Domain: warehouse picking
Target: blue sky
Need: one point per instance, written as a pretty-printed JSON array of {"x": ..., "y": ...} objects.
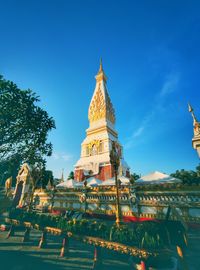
[{"x": 151, "y": 55}]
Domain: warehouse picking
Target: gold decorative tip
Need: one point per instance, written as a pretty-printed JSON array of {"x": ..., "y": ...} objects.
[
  {"x": 195, "y": 121},
  {"x": 101, "y": 75},
  {"x": 62, "y": 176},
  {"x": 101, "y": 66},
  {"x": 190, "y": 109}
]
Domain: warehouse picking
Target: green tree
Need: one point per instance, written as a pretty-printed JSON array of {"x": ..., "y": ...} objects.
[
  {"x": 134, "y": 177},
  {"x": 46, "y": 176},
  {"x": 9, "y": 168},
  {"x": 198, "y": 171},
  {"x": 188, "y": 177},
  {"x": 24, "y": 128},
  {"x": 71, "y": 175}
]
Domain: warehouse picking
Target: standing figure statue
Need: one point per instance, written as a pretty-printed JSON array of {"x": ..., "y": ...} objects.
[{"x": 8, "y": 186}]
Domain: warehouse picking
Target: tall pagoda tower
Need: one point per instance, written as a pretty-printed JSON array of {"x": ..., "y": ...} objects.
[{"x": 96, "y": 147}]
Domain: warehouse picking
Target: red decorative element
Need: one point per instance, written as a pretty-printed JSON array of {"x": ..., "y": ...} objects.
[
  {"x": 79, "y": 175},
  {"x": 142, "y": 266},
  {"x": 57, "y": 212},
  {"x": 97, "y": 258},
  {"x": 43, "y": 240},
  {"x": 136, "y": 219},
  {"x": 105, "y": 172},
  {"x": 65, "y": 247}
]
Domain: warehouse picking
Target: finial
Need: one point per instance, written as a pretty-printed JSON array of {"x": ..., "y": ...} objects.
[
  {"x": 101, "y": 66},
  {"x": 193, "y": 115},
  {"x": 190, "y": 109},
  {"x": 101, "y": 75},
  {"x": 62, "y": 177}
]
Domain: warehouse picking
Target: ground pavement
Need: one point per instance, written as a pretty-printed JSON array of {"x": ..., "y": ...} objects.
[
  {"x": 193, "y": 251},
  {"x": 15, "y": 255}
]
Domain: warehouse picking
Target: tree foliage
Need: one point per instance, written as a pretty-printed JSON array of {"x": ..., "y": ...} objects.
[
  {"x": 71, "y": 175},
  {"x": 134, "y": 177},
  {"x": 47, "y": 176},
  {"x": 24, "y": 128},
  {"x": 188, "y": 177}
]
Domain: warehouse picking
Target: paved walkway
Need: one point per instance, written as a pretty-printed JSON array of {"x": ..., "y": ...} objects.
[
  {"x": 15, "y": 255},
  {"x": 193, "y": 252}
]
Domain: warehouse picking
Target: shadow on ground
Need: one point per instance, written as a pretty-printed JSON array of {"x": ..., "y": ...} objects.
[{"x": 18, "y": 260}]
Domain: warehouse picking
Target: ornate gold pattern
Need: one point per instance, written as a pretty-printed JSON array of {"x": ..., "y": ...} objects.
[
  {"x": 94, "y": 142},
  {"x": 121, "y": 248},
  {"x": 101, "y": 129},
  {"x": 101, "y": 107},
  {"x": 93, "y": 147},
  {"x": 101, "y": 75}
]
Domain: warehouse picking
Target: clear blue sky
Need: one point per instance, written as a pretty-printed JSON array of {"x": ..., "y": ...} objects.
[{"x": 151, "y": 55}]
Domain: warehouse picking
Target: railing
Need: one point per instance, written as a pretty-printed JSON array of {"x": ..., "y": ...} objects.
[
  {"x": 150, "y": 203},
  {"x": 139, "y": 257}
]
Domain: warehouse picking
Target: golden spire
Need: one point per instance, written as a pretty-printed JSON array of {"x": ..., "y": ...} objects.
[
  {"x": 101, "y": 66},
  {"x": 62, "y": 177},
  {"x": 49, "y": 185},
  {"x": 101, "y": 75},
  {"x": 101, "y": 105},
  {"x": 190, "y": 109}
]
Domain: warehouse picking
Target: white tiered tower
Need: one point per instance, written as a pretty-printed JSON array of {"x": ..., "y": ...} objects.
[{"x": 95, "y": 149}]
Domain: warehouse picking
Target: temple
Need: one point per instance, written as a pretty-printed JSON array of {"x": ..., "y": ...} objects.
[
  {"x": 154, "y": 196},
  {"x": 95, "y": 149}
]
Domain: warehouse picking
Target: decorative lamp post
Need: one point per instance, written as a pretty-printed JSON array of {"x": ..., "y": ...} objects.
[
  {"x": 115, "y": 162},
  {"x": 52, "y": 196},
  {"x": 196, "y": 130},
  {"x": 85, "y": 185}
]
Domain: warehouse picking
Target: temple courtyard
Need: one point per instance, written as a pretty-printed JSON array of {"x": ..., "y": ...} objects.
[{"x": 15, "y": 255}]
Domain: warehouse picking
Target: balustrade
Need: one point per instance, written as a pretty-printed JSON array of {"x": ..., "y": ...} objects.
[{"x": 183, "y": 200}]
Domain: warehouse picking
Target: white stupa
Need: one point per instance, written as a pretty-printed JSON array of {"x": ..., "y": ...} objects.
[
  {"x": 96, "y": 147},
  {"x": 67, "y": 184},
  {"x": 111, "y": 182},
  {"x": 92, "y": 181},
  {"x": 157, "y": 178}
]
